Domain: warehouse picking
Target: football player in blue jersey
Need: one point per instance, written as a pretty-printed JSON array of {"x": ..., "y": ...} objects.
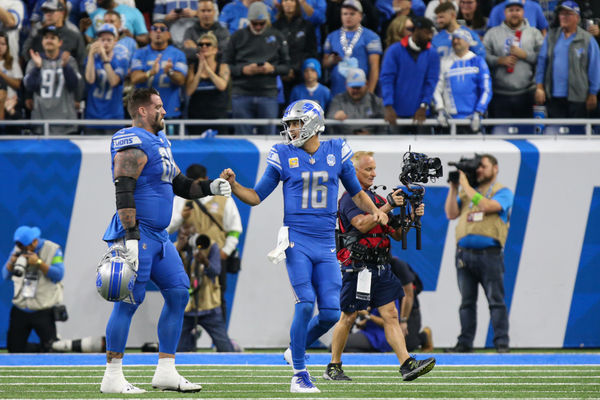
[
  {"x": 146, "y": 177},
  {"x": 310, "y": 170}
]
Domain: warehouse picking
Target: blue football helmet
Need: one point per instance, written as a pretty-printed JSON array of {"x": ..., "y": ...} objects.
[
  {"x": 310, "y": 114},
  {"x": 115, "y": 275}
]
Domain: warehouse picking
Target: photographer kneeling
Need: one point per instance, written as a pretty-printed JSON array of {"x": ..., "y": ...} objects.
[
  {"x": 368, "y": 279},
  {"x": 202, "y": 261},
  {"x": 36, "y": 268}
]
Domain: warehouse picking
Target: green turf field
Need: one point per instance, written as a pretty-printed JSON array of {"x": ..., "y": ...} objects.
[{"x": 572, "y": 382}]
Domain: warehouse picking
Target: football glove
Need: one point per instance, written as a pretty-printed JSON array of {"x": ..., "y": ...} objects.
[{"x": 220, "y": 187}]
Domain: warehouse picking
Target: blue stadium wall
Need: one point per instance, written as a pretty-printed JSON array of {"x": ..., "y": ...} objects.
[{"x": 552, "y": 254}]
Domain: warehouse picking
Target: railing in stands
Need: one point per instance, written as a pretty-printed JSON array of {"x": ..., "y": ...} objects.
[{"x": 500, "y": 127}]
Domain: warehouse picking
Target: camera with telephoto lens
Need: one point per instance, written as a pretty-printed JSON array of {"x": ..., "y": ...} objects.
[
  {"x": 19, "y": 266},
  {"x": 199, "y": 241},
  {"x": 468, "y": 166}
]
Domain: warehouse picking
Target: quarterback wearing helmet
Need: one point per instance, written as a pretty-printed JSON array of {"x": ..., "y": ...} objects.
[{"x": 310, "y": 170}]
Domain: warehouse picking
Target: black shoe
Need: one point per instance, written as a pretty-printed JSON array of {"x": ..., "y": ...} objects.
[
  {"x": 412, "y": 369},
  {"x": 502, "y": 349},
  {"x": 334, "y": 372},
  {"x": 459, "y": 348}
]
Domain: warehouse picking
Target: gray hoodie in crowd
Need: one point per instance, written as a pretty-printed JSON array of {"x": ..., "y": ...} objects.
[{"x": 497, "y": 42}]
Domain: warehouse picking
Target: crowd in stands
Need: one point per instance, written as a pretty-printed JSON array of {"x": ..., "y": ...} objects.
[{"x": 245, "y": 59}]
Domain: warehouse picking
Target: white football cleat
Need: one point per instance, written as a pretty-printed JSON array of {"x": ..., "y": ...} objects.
[
  {"x": 287, "y": 356},
  {"x": 116, "y": 385},
  {"x": 302, "y": 383},
  {"x": 174, "y": 382}
]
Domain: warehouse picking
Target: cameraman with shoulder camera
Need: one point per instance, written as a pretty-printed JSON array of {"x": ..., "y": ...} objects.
[
  {"x": 202, "y": 262},
  {"x": 368, "y": 279},
  {"x": 481, "y": 232},
  {"x": 36, "y": 269}
]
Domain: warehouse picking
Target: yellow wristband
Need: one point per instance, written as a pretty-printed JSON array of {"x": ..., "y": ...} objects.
[{"x": 476, "y": 198}]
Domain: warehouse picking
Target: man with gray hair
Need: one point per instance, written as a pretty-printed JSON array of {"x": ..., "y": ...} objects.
[{"x": 256, "y": 55}]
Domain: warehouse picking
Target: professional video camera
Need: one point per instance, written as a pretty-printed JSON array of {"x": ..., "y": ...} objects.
[
  {"x": 417, "y": 168},
  {"x": 468, "y": 166}
]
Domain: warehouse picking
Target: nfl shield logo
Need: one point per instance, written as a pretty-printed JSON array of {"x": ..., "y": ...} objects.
[{"x": 330, "y": 160}]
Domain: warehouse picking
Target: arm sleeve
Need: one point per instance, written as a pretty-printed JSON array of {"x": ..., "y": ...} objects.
[
  {"x": 319, "y": 7},
  {"x": 139, "y": 25},
  {"x": 387, "y": 77},
  {"x": 282, "y": 66},
  {"x": 488, "y": 43},
  {"x": 6, "y": 274},
  {"x": 33, "y": 77},
  {"x": 541, "y": 21},
  {"x": 431, "y": 79},
  {"x": 438, "y": 98},
  {"x": 57, "y": 267},
  {"x": 593, "y": 70},
  {"x": 541, "y": 64},
  {"x": 485, "y": 87},
  {"x": 478, "y": 48},
  {"x": 176, "y": 218},
  {"x": 532, "y": 55},
  {"x": 268, "y": 182},
  {"x": 505, "y": 197},
  {"x": 213, "y": 269},
  {"x": 349, "y": 210},
  {"x": 71, "y": 74},
  {"x": 349, "y": 179}
]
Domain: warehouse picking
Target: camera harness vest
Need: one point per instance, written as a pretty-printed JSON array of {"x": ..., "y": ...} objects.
[{"x": 372, "y": 247}]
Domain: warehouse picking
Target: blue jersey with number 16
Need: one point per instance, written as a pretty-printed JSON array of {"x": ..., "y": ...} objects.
[
  {"x": 154, "y": 189},
  {"x": 310, "y": 184}
]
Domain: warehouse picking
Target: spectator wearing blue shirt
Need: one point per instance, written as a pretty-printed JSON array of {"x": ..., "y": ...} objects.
[
  {"x": 133, "y": 21},
  {"x": 161, "y": 66},
  {"x": 446, "y": 22},
  {"x": 311, "y": 89},
  {"x": 568, "y": 76},
  {"x": 409, "y": 74},
  {"x": 36, "y": 268},
  {"x": 464, "y": 89},
  {"x": 352, "y": 46},
  {"x": 533, "y": 14},
  {"x": 105, "y": 72}
]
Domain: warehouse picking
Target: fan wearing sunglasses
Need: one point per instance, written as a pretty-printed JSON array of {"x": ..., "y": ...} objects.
[
  {"x": 161, "y": 66},
  {"x": 207, "y": 86}
]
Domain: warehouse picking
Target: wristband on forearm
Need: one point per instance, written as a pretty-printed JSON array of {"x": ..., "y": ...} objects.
[
  {"x": 476, "y": 198},
  {"x": 132, "y": 233},
  {"x": 403, "y": 319}
]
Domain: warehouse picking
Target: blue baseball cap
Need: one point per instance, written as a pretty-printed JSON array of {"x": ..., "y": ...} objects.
[
  {"x": 510, "y": 3},
  {"x": 356, "y": 78},
  {"x": 110, "y": 28},
  {"x": 26, "y": 234},
  {"x": 314, "y": 64},
  {"x": 570, "y": 6}
]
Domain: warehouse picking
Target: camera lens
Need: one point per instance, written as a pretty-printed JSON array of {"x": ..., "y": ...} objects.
[{"x": 19, "y": 267}]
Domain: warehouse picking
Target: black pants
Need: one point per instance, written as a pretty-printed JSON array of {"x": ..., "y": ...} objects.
[
  {"x": 511, "y": 106},
  {"x": 20, "y": 326}
]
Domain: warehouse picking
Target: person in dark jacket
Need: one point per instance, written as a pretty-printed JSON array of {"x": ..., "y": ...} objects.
[
  {"x": 301, "y": 40},
  {"x": 256, "y": 55}
]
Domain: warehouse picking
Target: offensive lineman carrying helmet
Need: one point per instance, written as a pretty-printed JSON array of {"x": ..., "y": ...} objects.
[{"x": 146, "y": 177}]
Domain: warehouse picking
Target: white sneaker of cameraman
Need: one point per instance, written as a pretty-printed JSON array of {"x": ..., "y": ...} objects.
[
  {"x": 166, "y": 377},
  {"x": 114, "y": 381}
]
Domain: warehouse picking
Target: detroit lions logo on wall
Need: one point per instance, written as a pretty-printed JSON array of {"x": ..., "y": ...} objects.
[{"x": 330, "y": 160}]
